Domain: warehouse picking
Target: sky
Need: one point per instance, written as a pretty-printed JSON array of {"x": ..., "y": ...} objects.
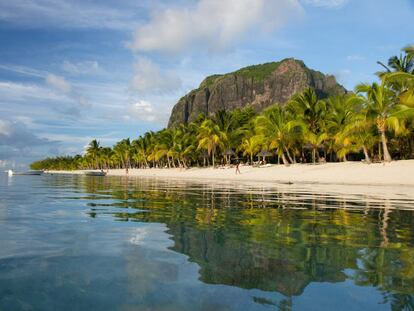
[{"x": 75, "y": 70}]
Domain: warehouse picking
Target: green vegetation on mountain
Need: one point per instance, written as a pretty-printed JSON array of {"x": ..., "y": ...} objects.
[
  {"x": 375, "y": 123},
  {"x": 258, "y": 86}
]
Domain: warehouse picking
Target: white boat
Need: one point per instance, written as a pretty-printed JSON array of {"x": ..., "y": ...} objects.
[{"x": 31, "y": 172}]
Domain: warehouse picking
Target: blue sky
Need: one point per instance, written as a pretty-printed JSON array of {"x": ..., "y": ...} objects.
[{"x": 71, "y": 71}]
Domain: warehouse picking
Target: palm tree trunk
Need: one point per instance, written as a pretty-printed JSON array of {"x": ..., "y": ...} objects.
[
  {"x": 314, "y": 155},
  {"x": 387, "y": 156},
  {"x": 367, "y": 158},
  {"x": 379, "y": 151},
  {"x": 289, "y": 156},
  {"x": 285, "y": 161},
  {"x": 213, "y": 159}
]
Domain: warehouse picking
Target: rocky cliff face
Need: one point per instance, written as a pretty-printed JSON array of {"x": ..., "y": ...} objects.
[{"x": 258, "y": 86}]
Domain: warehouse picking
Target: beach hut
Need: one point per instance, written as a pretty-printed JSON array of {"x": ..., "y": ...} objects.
[
  {"x": 315, "y": 150},
  {"x": 264, "y": 154},
  {"x": 204, "y": 155},
  {"x": 228, "y": 153}
]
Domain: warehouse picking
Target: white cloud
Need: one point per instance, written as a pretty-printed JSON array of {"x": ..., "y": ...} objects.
[
  {"x": 19, "y": 142},
  {"x": 24, "y": 71},
  {"x": 142, "y": 110},
  {"x": 12, "y": 91},
  {"x": 149, "y": 78},
  {"x": 61, "y": 84},
  {"x": 82, "y": 68},
  {"x": 355, "y": 57},
  {"x": 71, "y": 14},
  {"x": 58, "y": 83},
  {"x": 330, "y": 4},
  {"x": 211, "y": 24}
]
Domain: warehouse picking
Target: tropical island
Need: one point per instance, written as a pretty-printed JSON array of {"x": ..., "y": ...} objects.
[{"x": 275, "y": 113}]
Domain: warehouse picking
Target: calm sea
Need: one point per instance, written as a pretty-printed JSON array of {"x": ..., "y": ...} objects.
[{"x": 102, "y": 243}]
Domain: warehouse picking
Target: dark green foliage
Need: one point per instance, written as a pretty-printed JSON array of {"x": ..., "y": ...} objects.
[{"x": 257, "y": 72}]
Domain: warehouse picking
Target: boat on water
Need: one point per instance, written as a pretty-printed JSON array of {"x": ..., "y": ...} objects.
[
  {"x": 31, "y": 172},
  {"x": 94, "y": 173}
]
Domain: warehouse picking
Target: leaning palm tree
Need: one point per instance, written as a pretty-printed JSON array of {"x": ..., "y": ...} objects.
[
  {"x": 210, "y": 138},
  {"x": 382, "y": 109}
]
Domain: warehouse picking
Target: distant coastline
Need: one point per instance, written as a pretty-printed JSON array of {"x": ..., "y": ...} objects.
[{"x": 396, "y": 173}]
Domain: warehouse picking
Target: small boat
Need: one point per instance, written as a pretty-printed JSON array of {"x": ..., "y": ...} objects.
[
  {"x": 94, "y": 173},
  {"x": 31, "y": 172}
]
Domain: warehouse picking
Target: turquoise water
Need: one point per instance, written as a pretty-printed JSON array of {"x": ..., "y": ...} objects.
[{"x": 93, "y": 243}]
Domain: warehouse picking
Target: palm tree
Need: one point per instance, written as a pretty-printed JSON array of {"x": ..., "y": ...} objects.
[
  {"x": 140, "y": 147},
  {"x": 251, "y": 145},
  {"x": 311, "y": 111},
  {"x": 105, "y": 156},
  {"x": 341, "y": 115},
  {"x": 163, "y": 146},
  {"x": 210, "y": 138},
  {"x": 381, "y": 108},
  {"x": 278, "y": 131},
  {"x": 360, "y": 132},
  {"x": 403, "y": 63},
  {"x": 123, "y": 150},
  {"x": 93, "y": 152},
  {"x": 400, "y": 78},
  {"x": 227, "y": 126}
]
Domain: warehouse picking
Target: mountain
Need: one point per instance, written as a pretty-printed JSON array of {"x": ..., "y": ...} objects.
[{"x": 258, "y": 86}]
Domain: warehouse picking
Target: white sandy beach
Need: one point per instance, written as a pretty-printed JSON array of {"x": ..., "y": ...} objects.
[{"x": 348, "y": 173}]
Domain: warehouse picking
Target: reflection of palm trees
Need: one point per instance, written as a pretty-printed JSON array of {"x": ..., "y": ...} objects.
[
  {"x": 385, "y": 218},
  {"x": 269, "y": 245}
]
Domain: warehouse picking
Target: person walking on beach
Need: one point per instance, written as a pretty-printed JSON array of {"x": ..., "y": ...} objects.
[{"x": 237, "y": 168}]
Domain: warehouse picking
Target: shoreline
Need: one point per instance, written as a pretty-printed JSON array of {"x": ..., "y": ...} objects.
[{"x": 396, "y": 173}]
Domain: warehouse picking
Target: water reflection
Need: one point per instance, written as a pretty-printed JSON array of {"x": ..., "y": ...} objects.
[
  {"x": 273, "y": 239},
  {"x": 252, "y": 247}
]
